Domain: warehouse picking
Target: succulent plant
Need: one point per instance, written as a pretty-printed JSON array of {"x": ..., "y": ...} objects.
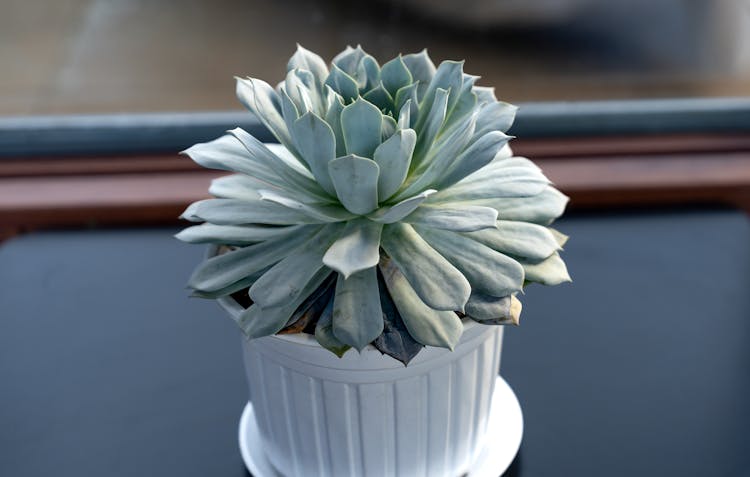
[{"x": 391, "y": 209}]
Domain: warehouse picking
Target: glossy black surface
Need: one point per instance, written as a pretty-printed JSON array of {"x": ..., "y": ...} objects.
[{"x": 641, "y": 367}]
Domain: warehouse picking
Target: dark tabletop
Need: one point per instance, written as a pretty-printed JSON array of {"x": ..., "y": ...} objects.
[{"x": 640, "y": 367}]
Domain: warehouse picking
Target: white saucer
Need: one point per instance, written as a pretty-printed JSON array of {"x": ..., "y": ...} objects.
[{"x": 504, "y": 432}]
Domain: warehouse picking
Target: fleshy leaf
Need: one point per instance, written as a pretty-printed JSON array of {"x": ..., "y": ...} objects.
[
  {"x": 380, "y": 98},
  {"x": 307, "y": 314},
  {"x": 317, "y": 212},
  {"x": 550, "y": 271},
  {"x": 394, "y": 156},
  {"x": 333, "y": 118},
  {"x": 316, "y": 143},
  {"x": 497, "y": 116},
  {"x": 396, "y": 212},
  {"x": 349, "y": 59},
  {"x": 257, "y": 322},
  {"x": 432, "y": 123},
  {"x": 343, "y": 84},
  {"x": 474, "y": 158},
  {"x": 440, "y": 158},
  {"x": 395, "y": 75},
  {"x": 542, "y": 208},
  {"x": 324, "y": 332},
  {"x": 294, "y": 177},
  {"x": 404, "y": 115},
  {"x": 387, "y": 128},
  {"x": 225, "y": 269},
  {"x": 228, "y": 154},
  {"x": 307, "y": 60},
  {"x": 466, "y": 218},
  {"x": 395, "y": 341},
  {"x": 285, "y": 280},
  {"x": 237, "y": 186},
  {"x": 368, "y": 73},
  {"x": 357, "y": 249},
  {"x": 407, "y": 96},
  {"x": 487, "y": 307},
  {"x": 260, "y": 98},
  {"x": 485, "y": 94},
  {"x": 356, "y": 182},
  {"x": 438, "y": 283},
  {"x": 427, "y": 326},
  {"x": 488, "y": 271},
  {"x": 357, "y": 316},
  {"x": 233, "y": 234},
  {"x": 494, "y": 182},
  {"x": 420, "y": 66},
  {"x": 360, "y": 125},
  {"x": 521, "y": 239},
  {"x": 448, "y": 77},
  {"x": 243, "y": 212}
]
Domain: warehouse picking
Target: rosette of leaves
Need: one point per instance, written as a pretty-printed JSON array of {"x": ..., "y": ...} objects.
[{"x": 391, "y": 208}]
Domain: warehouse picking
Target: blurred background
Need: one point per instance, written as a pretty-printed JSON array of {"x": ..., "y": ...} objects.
[{"x": 108, "y": 56}]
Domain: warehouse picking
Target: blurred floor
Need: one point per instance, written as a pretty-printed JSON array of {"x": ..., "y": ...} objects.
[{"x": 98, "y": 56}]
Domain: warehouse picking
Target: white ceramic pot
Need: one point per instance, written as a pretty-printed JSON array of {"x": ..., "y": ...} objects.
[{"x": 366, "y": 414}]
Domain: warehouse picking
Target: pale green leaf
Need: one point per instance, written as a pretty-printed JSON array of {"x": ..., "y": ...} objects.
[
  {"x": 406, "y": 103},
  {"x": 333, "y": 118},
  {"x": 349, "y": 59},
  {"x": 467, "y": 218},
  {"x": 485, "y": 94},
  {"x": 356, "y": 182},
  {"x": 286, "y": 280},
  {"x": 324, "y": 332},
  {"x": 394, "y": 156},
  {"x": 388, "y": 128},
  {"x": 433, "y": 121},
  {"x": 560, "y": 237},
  {"x": 495, "y": 182},
  {"x": 295, "y": 177},
  {"x": 438, "y": 283},
  {"x": 449, "y": 77},
  {"x": 542, "y": 208},
  {"x": 404, "y": 115},
  {"x": 550, "y": 271},
  {"x": 420, "y": 66},
  {"x": 257, "y": 322},
  {"x": 520, "y": 239},
  {"x": 487, "y": 271},
  {"x": 368, "y": 73},
  {"x": 395, "y": 75},
  {"x": 427, "y": 326},
  {"x": 487, "y": 307},
  {"x": 233, "y": 234},
  {"x": 474, "y": 158},
  {"x": 307, "y": 60},
  {"x": 360, "y": 125},
  {"x": 380, "y": 98},
  {"x": 343, "y": 84},
  {"x": 317, "y": 212},
  {"x": 357, "y": 249},
  {"x": 316, "y": 143},
  {"x": 496, "y": 116},
  {"x": 228, "y": 154},
  {"x": 241, "y": 212},
  {"x": 396, "y": 212},
  {"x": 260, "y": 98},
  {"x": 440, "y": 158},
  {"x": 237, "y": 186},
  {"x": 357, "y": 316},
  {"x": 223, "y": 270}
]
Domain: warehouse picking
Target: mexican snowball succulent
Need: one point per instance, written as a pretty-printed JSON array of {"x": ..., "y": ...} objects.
[{"x": 391, "y": 208}]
